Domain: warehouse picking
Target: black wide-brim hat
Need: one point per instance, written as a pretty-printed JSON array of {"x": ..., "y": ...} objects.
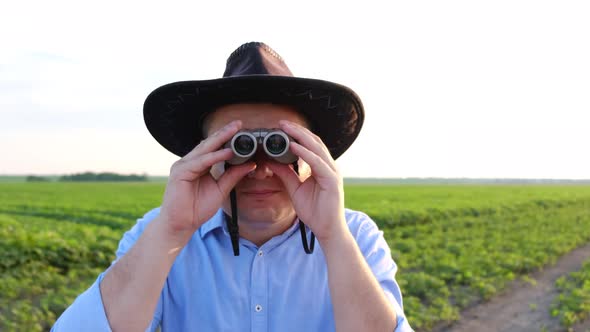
[{"x": 254, "y": 73}]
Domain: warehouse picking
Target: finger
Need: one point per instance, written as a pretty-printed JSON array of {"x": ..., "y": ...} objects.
[
  {"x": 216, "y": 140},
  {"x": 287, "y": 175},
  {"x": 233, "y": 175},
  {"x": 191, "y": 169},
  {"x": 319, "y": 168},
  {"x": 309, "y": 140}
]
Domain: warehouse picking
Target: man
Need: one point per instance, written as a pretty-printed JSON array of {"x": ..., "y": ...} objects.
[{"x": 183, "y": 266}]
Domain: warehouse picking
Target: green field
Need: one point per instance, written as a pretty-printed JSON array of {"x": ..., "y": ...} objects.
[{"x": 454, "y": 244}]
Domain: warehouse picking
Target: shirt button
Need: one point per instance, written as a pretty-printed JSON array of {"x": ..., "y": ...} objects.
[
  {"x": 258, "y": 308},
  {"x": 260, "y": 253}
]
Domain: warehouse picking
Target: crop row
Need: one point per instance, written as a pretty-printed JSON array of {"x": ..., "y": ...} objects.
[
  {"x": 44, "y": 264},
  {"x": 572, "y": 305},
  {"x": 451, "y": 266}
]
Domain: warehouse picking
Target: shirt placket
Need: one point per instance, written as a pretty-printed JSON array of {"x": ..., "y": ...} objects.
[{"x": 259, "y": 290}]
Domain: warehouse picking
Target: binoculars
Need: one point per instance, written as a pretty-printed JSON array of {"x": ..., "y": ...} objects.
[{"x": 275, "y": 143}]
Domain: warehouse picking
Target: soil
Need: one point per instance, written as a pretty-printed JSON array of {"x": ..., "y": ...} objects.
[{"x": 524, "y": 306}]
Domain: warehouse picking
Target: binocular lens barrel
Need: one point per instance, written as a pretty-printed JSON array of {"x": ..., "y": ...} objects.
[
  {"x": 275, "y": 144},
  {"x": 244, "y": 145}
]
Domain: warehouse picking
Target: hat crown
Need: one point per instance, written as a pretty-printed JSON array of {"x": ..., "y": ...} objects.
[{"x": 255, "y": 58}]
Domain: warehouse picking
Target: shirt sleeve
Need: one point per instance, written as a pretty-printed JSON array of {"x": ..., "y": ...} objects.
[
  {"x": 378, "y": 255},
  {"x": 87, "y": 312}
]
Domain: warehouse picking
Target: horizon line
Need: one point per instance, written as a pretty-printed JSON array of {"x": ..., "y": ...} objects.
[{"x": 345, "y": 177}]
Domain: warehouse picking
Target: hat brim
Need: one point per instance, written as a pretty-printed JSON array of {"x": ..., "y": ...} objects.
[{"x": 174, "y": 112}]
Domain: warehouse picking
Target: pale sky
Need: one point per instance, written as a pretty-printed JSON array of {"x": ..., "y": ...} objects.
[{"x": 450, "y": 88}]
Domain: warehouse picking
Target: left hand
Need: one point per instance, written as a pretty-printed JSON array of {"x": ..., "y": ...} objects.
[{"x": 318, "y": 199}]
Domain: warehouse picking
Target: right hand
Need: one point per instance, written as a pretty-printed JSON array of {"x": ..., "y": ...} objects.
[{"x": 192, "y": 195}]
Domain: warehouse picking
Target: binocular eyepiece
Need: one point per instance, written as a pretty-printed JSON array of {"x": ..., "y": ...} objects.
[{"x": 275, "y": 143}]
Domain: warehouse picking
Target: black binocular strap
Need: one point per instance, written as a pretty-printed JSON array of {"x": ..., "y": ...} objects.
[
  {"x": 232, "y": 222},
  {"x": 308, "y": 248},
  {"x": 233, "y": 227}
]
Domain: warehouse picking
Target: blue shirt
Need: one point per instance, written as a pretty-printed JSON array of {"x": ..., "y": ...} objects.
[{"x": 274, "y": 287}]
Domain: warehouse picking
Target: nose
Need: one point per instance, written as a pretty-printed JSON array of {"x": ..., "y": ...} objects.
[{"x": 261, "y": 172}]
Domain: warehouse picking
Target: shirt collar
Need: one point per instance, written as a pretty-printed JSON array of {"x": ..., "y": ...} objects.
[{"x": 217, "y": 221}]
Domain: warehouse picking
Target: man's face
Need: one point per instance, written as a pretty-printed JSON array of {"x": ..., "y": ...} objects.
[{"x": 261, "y": 196}]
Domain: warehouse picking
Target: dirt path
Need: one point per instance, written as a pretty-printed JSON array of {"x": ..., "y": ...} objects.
[{"x": 524, "y": 307}]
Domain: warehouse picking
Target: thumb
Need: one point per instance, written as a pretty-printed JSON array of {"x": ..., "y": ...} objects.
[{"x": 233, "y": 175}]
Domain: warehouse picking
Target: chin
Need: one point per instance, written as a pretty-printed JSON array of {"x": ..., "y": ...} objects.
[
  {"x": 259, "y": 214},
  {"x": 266, "y": 214},
  {"x": 267, "y": 210}
]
